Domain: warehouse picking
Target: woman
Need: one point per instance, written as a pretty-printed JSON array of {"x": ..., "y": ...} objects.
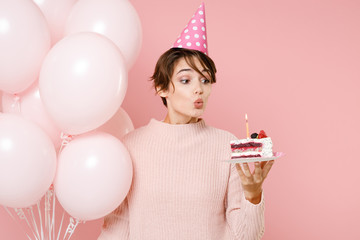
[{"x": 181, "y": 188}]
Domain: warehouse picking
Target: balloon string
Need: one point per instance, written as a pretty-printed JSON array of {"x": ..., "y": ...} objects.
[
  {"x": 40, "y": 217},
  {"x": 47, "y": 213},
  {"x": 72, "y": 231},
  {"x": 13, "y": 218},
  {"x": 20, "y": 213},
  {"x": 71, "y": 228},
  {"x": 34, "y": 222},
  {"x": 53, "y": 215},
  {"x": 62, "y": 219},
  {"x": 16, "y": 103},
  {"x": 30, "y": 210},
  {"x": 11, "y": 215}
]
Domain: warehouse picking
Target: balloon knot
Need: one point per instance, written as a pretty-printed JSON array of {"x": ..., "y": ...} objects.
[
  {"x": 16, "y": 98},
  {"x": 66, "y": 138},
  {"x": 16, "y": 102}
]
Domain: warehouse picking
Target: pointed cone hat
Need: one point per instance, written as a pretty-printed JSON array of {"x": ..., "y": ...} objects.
[{"x": 194, "y": 34}]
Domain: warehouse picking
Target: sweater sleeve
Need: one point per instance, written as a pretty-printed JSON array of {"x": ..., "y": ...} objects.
[
  {"x": 246, "y": 220},
  {"x": 116, "y": 224}
]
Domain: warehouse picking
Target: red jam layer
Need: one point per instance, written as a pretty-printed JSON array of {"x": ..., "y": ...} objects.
[
  {"x": 246, "y": 145},
  {"x": 243, "y": 147}
]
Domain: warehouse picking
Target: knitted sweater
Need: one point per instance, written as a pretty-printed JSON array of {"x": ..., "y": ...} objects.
[{"x": 182, "y": 189}]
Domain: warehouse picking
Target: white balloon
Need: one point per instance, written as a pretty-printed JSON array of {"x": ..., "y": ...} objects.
[
  {"x": 56, "y": 14},
  {"x": 24, "y": 42},
  {"x": 1, "y": 109},
  {"x": 29, "y": 105},
  {"x": 94, "y": 175},
  {"x": 83, "y": 82},
  {"x": 119, "y": 125},
  {"x": 27, "y": 162},
  {"x": 117, "y": 20}
]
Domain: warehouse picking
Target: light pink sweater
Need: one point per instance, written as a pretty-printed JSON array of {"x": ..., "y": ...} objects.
[{"x": 182, "y": 189}]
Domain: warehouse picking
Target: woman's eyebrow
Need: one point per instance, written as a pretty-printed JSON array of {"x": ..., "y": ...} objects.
[
  {"x": 189, "y": 69},
  {"x": 183, "y": 70}
]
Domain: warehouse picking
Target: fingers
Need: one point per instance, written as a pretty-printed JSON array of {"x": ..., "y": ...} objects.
[
  {"x": 240, "y": 171},
  {"x": 238, "y": 168},
  {"x": 267, "y": 168},
  {"x": 263, "y": 164},
  {"x": 243, "y": 171},
  {"x": 260, "y": 172},
  {"x": 257, "y": 172},
  {"x": 246, "y": 168}
]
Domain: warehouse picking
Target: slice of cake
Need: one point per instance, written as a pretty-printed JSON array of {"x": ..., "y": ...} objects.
[{"x": 259, "y": 145}]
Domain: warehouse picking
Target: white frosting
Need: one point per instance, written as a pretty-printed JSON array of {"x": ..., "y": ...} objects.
[{"x": 266, "y": 148}]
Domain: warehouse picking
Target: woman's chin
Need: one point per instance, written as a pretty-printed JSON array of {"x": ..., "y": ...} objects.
[{"x": 197, "y": 113}]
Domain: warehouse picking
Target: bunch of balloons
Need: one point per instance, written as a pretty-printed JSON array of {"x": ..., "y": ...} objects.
[{"x": 63, "y": 77}]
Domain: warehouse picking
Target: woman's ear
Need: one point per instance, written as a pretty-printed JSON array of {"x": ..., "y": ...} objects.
[{"x": 161, "y": 93}]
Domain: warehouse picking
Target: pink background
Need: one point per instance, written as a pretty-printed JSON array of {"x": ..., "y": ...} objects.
[{"x": 293, "y": 67}]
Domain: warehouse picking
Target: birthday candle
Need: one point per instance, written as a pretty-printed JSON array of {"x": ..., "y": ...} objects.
[{"x": 247, "y": 126}]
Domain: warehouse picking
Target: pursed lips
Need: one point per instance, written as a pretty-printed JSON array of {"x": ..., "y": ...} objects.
[
  {"x": 199, "y": 100},
  {"x": 198, "y": 103}
]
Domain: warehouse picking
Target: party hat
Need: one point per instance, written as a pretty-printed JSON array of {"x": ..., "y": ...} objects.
[{"x": 194, "y": 34}]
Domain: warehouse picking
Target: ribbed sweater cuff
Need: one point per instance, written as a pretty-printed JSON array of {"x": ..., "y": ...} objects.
[
  {"x": 255, "y": 217},
  {"x": 247, "y": 204}
]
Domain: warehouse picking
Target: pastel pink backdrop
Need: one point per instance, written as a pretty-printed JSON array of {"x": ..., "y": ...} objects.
[{"x": 293, "y": 67}]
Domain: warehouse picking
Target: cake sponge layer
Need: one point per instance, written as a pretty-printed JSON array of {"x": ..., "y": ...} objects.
[{"x": 243, "y": 148}]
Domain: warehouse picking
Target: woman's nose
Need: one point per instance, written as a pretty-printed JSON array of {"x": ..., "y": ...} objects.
[{"x": 198, "y": 89}]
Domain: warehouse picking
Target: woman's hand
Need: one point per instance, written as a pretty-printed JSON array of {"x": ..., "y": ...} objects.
[{"x": 252, "y": 182}]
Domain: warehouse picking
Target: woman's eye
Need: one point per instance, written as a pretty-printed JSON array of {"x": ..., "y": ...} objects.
[
  {"x": 184, "y": 81},
  {"x": 205, "y": 81}
]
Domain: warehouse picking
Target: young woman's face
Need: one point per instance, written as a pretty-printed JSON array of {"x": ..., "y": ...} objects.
[{"x": 187, "y": 101}]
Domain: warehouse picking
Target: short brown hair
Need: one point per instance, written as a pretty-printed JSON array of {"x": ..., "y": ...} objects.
[{"x": 164, "y": 68}]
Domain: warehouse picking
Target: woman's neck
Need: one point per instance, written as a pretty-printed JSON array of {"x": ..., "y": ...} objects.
[{"x": 179, "y": 120}]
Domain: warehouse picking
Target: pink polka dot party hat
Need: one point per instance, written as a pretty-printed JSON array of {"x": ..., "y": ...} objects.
[{"x": 194, "y": 34}]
